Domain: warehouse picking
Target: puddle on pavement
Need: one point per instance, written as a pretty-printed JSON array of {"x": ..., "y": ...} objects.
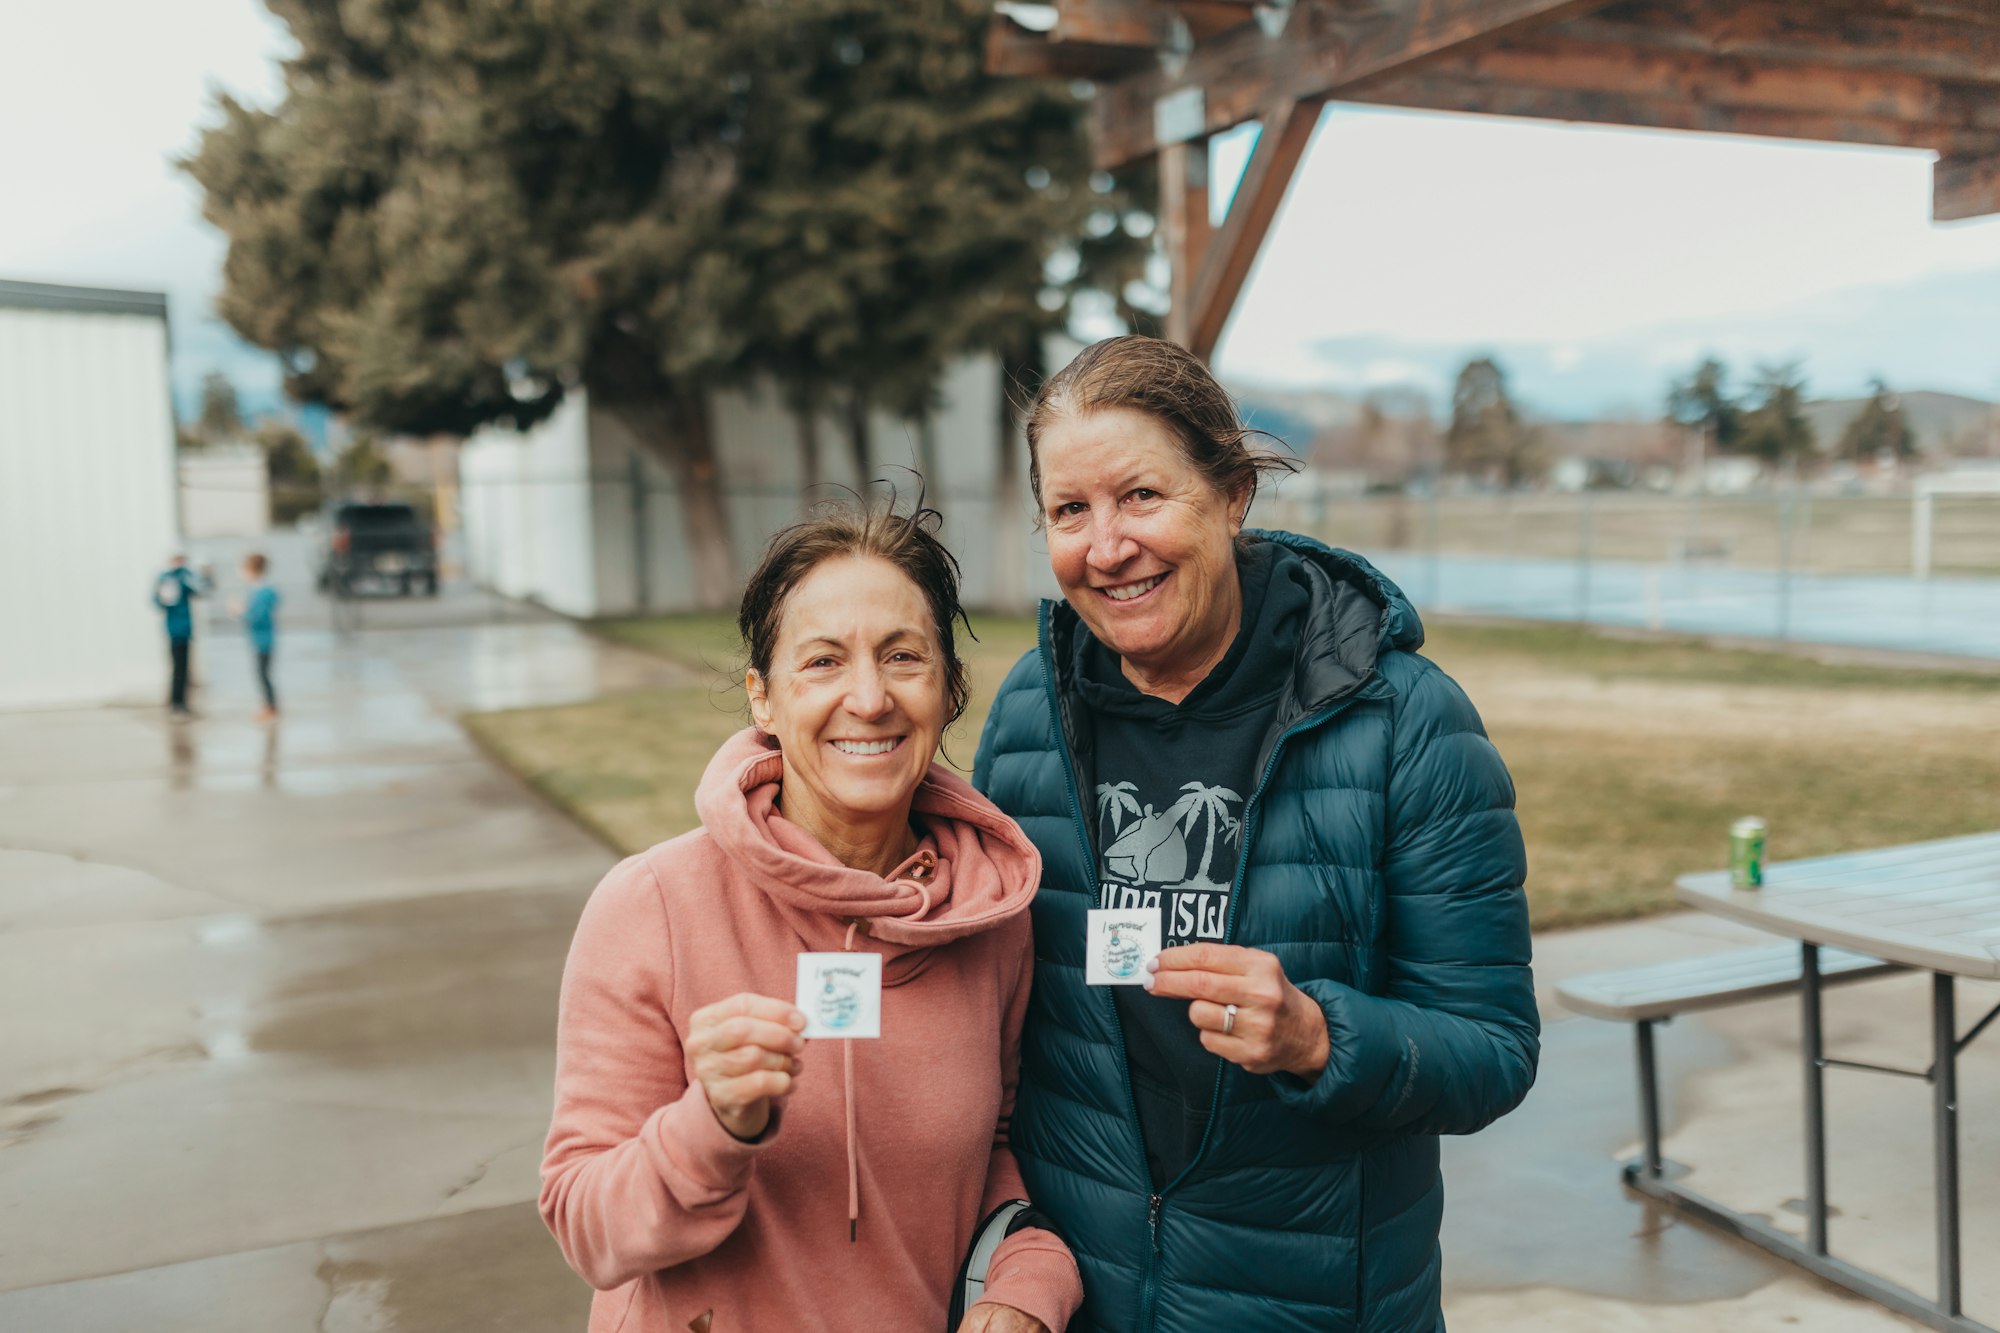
[
  {"x": 419, "y": 978},
  {"x": 1536, "y": 1200}
]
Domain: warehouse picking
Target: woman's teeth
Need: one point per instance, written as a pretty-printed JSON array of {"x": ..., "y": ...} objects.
[
  {"x": 867, "y": 747},
  {"x": 1127, "y": 592}
]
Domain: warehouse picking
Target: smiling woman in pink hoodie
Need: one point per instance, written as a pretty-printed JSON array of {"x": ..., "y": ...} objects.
[{"x": 710, "y": 1169}]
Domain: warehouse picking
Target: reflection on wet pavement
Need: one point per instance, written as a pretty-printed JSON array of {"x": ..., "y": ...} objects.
[
  {"x": 273, "y": 984},
  {"x": 1533, "y": 1200}
]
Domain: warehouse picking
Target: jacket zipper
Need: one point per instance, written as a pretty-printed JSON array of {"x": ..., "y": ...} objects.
[
  {"x": 1153, "y": 1202},
  {"x": 1156, "y": 1203},
  {"x": 1252, "y": 809}
]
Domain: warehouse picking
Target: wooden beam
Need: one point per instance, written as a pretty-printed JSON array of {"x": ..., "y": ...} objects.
[
  {"x": 1111, "y": 22},
  {"x": 1798, "y": 35},
  {"x": 1452, "y": 92},
  {"x": 1557, "y": 61},
  {"x": 1965, "y": 187},
  {"x": 1013, "y": 51},
  {"x": 1184, "y": 225},
  {"x": 1328, "y": 46},
  {"x": 1281, "y": 142}
]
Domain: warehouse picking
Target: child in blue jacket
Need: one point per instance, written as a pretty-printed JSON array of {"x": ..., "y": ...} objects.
[
  {"x": 173, "y": 592},
  {"x": 260, "y": 623}
]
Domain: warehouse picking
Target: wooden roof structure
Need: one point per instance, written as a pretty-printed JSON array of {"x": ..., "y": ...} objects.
[{"x": 1172, "y": 73}]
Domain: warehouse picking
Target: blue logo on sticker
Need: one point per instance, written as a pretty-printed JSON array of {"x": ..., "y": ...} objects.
[
  {"x": 839, "y": 1004},
  {"x": 1121, "y": 952}
]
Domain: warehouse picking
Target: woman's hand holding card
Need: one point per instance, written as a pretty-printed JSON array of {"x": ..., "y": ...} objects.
[{"x": 745, "y": 1052}]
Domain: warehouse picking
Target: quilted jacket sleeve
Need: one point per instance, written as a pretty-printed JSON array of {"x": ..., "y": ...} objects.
[{"x": 1452, "y": 1042}]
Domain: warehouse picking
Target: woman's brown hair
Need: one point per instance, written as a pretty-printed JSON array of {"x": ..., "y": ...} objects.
[
  {"x": 1166, "y": 381},
  {"x": 907, "y": 541}
]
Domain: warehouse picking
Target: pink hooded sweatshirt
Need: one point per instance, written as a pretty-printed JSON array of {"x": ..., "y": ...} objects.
[{"x": 900, "y": 1141}]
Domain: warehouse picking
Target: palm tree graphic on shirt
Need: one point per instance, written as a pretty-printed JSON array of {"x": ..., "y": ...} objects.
[
  {"x": 1113, "y": 800},
  {"x": 1155, "y": 847}
]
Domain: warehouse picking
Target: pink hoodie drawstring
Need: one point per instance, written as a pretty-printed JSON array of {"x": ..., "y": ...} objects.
[
  {"x": 847, "y": 1095},
  {"x": 919, "y": 875}
]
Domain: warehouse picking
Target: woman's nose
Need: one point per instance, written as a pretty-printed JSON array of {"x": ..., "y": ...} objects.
[
  {"x": 868, "y": 693},
  {"x": 1109, "y": 546}
]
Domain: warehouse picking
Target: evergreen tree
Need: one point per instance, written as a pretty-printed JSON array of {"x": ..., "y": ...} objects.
[
  {"x": 1487, "y": 436},
  {"x": 1776, "y": 429},
  {"x": 220, "y": 420},
  {"x": 1702, "y": 400},
  {"x": 1879, "y": 429},
  {"x": 292, "y": 469},
  {"x": 458, "y": 212}
]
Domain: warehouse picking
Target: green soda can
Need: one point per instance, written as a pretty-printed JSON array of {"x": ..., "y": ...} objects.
[{"x": 1746, "y": 853}]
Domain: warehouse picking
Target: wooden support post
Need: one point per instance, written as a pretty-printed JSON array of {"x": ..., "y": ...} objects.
[
  {"x": 1184, "y": 227},
  {"x": 1281, "y": 142},
  {"x": 1965, "y": 187}
]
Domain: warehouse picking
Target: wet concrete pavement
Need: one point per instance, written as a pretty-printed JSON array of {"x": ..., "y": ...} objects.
[
  {"x": 281, "y": 999},
  {"x": 281, "y": 1004}
]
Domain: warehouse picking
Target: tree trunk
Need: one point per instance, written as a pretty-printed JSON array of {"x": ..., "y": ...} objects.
[
  {"x": 860, "y": 441},
  {"x": 1020, "y": 368},
  {"x": 806, "y": 418},
  {"x": 674, "y": 428},
  {"x": 926, "y": 426}
]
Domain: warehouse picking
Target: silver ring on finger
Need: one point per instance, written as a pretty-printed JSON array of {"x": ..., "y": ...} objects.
[{"x": 1228, "y": 1019}]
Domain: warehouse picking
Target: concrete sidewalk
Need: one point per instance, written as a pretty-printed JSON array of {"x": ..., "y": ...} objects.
[
  {"x": 281, "y": 1010},
  {"x": 281, "y": 1000}
]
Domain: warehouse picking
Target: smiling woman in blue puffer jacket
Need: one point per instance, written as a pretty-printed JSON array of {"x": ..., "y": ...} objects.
[{"x": 1234, "y": 729}]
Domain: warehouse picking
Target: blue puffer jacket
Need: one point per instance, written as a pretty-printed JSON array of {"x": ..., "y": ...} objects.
[{"x": 1383, "y": 866}]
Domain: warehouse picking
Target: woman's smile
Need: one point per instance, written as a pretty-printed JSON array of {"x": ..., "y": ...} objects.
[
  {"x": 870, "y": 749},
  {"x": 1127, "y": 593}
]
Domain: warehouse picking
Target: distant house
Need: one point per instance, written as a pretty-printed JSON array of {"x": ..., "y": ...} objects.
[{"x": 87, "y": 491}]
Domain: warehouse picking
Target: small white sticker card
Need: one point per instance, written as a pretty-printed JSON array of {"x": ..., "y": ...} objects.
[
  {"x": 1120, "y": 942},
  {"x": 841, "y": 994}
]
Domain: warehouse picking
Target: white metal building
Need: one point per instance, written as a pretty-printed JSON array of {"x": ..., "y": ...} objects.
[
  {"x": 86, "y": 493},
  {"x": 574, "y": 515},
  {"x": 225, "y": 492}
]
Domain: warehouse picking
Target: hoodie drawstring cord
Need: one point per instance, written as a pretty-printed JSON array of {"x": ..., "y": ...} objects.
[
  {"x": 919, "y": 876},
  {"x": 847, "y": 1083}
]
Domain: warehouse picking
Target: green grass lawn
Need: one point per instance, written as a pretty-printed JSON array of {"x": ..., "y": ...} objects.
[{"x": 1631, "y": 756}]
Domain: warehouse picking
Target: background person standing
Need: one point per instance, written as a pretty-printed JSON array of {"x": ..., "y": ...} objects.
[
  {"x": 259, "y": 610},
  {"x": 174, "y": 593}
]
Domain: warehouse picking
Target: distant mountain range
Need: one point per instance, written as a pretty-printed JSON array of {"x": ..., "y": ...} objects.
[
  {"x": 1943, "y": 422},
  {"x": 1939, "y": 331}
]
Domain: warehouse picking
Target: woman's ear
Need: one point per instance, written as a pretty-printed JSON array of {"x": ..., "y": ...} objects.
[
  {"x": 760, "y": 699},
  {"x": 1239, "y": 507}
]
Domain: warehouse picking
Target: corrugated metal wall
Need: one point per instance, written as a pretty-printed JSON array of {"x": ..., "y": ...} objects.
[{"x": 86, "y": 505}]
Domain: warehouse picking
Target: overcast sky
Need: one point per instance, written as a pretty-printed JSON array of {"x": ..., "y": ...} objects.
[{"x": 1594, "y": 262}]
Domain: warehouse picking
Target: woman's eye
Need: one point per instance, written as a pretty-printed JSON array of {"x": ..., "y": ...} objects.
[
  {"x": 1145, "y": 493},
  {"x": 1071, "y": 510},
  {"x": 819, "y": 662}
]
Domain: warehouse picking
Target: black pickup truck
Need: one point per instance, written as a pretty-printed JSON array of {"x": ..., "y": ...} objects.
[{"x": 387, "y": 544}]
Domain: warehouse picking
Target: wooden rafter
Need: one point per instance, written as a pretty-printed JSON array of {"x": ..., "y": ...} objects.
[
  {"x": 1145, "y": 23},
  {"x": 1446, "y": 92},
  {"x": 1329, "y": 46},
  {"x": 1965, "y": 187},
  {"x": 1560, "y": 62},
  {"x": 1790, "y": 34},
  {"x": 1203, "y": 301},
  {"x": 1014, "y": 51}
]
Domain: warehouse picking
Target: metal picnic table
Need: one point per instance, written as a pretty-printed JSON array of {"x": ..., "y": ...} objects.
[{"x": 1932, "y": 906}]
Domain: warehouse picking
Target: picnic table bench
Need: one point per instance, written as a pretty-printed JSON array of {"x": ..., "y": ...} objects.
[{"x": 1655, "y": 992}]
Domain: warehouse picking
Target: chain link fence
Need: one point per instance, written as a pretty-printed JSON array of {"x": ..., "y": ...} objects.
[{"x": 1790, "y": 564}]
